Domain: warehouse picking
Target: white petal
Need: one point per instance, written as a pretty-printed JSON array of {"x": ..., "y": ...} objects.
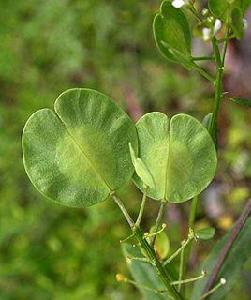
[
  {"x": 206, "y": 32},
  {"x": 223, "y": 281},
  {"x": 217, "y": 25},
  {"x": 245, "y": 22},
  {"x": 178, "y": 3}
]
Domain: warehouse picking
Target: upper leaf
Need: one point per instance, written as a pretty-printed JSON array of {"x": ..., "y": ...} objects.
[
  {"x": 223, "y": 9},
  {"x": 237, "y": 256},
  {"x": 179, "y": 153},
  {"x": 172, "y": 34},
  {"x": 79, "y": 154}
]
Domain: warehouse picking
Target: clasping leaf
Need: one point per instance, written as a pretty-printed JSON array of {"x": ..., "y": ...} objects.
[
  {"x": 180, "y": 154},
  {"x": 77, "y": 155}
]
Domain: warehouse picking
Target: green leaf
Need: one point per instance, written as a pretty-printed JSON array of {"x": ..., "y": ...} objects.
[
  {"x": 141, "y": 169},
  {"x": 144, "y": 274},
  {"x": 206, "y": 122},
  {"x": 223, "y": 10},
  {"x": 245, "y": 4},
  {"x": 78, "y": 154},
  {"x": 220, "y": 9},
  {"x": 237, "y": 22},
  {"x": 205, "y": 233},
  {"x": 180, "y": 154},
  {"x": 172, "y": 35},
  {"x": 237, "y": 256},
  {"x": 242, "y": 101}
]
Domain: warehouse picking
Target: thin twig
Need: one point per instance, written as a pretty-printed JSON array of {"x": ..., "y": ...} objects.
[
  {"x": 142, "y": 206},
  {"x": 227, "y": 247},
  {"x": 158, "y": 221},
  {"x": 124, "y": 211}
]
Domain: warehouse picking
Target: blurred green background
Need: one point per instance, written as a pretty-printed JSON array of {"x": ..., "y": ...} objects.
[{"x": 46, "y": 47}]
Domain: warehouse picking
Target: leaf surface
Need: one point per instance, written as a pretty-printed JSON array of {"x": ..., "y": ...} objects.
[
  {"x": 78, "y": 154},
  {"x": 179, "y": 153},
  {"x": 144, "y": 274},
  {"x": 205, "y": 233},
  {"x": 172, "y": 35}
]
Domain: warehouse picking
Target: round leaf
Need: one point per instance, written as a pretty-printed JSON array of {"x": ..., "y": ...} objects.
[
  {"x": 172, "y": 34},
  {"x": 79, "y": 154},
  {"x": 205, "y": 233},
  {"x": 179, "y": 153}
]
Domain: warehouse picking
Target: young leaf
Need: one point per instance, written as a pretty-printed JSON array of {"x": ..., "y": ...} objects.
[
  {"x": 237, "y": 256},
  {"x": 242, "y": 101},
  {"x": 78, "y": 154},
  {"x": 141, "y": 169},
  {"x": 207, "y": 120},
  {"x": 172, "y": 35},
  {"x": 237, "y": 22},
  {"x": 205, "y": 233},
  {"x": 180, "y": 154},
  {"x": 144, "y": 274}
]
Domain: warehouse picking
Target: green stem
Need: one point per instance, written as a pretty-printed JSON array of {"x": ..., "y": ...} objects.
[
  {"x": 149, "y": 251},
  {"x": 204, "y": 73},
  {"x": 161, "y": 270},
  {"x": 181, "y": 268},
  {"x": 201, "y": 58},
  {"x": 142, "y": 206},
  {"x": 124, "y": 211},
  {"x": 192, "y": 215},
  {"x": 158, "y": 221},
  {"x": 220, "y": 62}
]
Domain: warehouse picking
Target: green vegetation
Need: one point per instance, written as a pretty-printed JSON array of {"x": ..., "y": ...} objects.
[{"x": 53, "y": 252}]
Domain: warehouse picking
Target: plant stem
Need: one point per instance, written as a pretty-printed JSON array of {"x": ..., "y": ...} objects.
[
  {"x": 142, "y": 206},
  {"x": 220, "y": 62},
  {"x": 149, "y": 251},
  {"x": 200, "y": 58},
  {"x": 158, "y": 221},
  {"x": 193, "y": 211},
  {"x": 204, "y": 73},
  {"x": 161, "y": 270},
  {"x": 124, "y": 211},
  {"x": 181, "y": 268}
]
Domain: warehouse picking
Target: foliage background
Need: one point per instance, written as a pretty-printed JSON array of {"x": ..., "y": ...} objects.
[{"x": 52, "y": 252}]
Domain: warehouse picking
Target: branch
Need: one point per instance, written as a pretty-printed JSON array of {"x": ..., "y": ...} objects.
[{"x": 227, "y": 247}]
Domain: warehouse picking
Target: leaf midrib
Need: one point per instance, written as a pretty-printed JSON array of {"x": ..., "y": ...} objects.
[
  {"x": 168, "y": 159},
  {"x": 82, "y": 151}
]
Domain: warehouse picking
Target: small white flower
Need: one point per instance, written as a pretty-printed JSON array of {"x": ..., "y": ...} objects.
[
  {"x": 178, "y": 3},
  {"x": 217, "y": 25},
  {"x": 245, "y": 22},
  {"x": 223, "y": 281},
  {"x": 204, "y": 11},
  {"x": 206, "y": 33}
]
